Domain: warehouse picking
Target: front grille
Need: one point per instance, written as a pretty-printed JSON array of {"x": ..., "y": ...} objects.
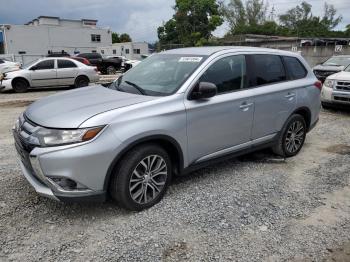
[
  {"x": 21, "y": 134},
  {"x": 324, "y": 74},
  {"x": 343, "y": 85},
  {"x": 341, "y": 98}
]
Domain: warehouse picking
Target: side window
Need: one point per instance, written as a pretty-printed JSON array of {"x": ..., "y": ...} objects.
[
  {"x": 294, "y": 67},
  {"x": 47, "y": 64},
  {"x": 268, "y": 69},
  {"x": 65, "y": 64},
  {"x": 1, "y": 61},
  {"x": 228, "y": 74}
]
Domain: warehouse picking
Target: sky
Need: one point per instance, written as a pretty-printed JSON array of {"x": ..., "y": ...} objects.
[{"x": 139, "y": 18}]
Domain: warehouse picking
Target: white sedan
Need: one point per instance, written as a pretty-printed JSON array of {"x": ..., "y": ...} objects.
[
  {"x": 48, "y": 72},
  {"x": 7, "y": 66}
]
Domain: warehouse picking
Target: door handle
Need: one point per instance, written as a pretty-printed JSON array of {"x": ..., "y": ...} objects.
[
  {"x": 289, "y": 95},
  {"x": 245, "y": 106}
]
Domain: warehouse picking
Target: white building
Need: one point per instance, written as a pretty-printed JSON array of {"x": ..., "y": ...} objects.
[
  {"x": 131, "y": 50},
  {"x": 51, "y": 34}
]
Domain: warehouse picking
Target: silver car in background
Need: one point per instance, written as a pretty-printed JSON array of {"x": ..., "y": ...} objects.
[
  {"x": 173, "y": 113},
  {"x": 50, "y": 72}
]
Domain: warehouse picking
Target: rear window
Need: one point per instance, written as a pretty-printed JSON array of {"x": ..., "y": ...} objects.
[
  {"x": 268, "y": 69},
  {"x": 65, "y": 64},
  {"x": 295, "y": 68}
]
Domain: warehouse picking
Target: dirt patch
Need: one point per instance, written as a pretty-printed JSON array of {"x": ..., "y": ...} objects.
[
  {"x": 16, "y": 103},
  {"x": 341, "y": 254},
  {"x": 177, "y": 251},
  {"x": 339, "y": 149}
]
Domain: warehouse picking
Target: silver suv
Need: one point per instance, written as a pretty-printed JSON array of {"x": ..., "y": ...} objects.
[{"x": 176, "y": 111}]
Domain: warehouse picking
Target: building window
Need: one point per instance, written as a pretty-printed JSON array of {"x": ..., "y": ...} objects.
[
  {"x": 114, "y": 51},
  {"x": 93, "y": 51},
  {"x": 126, "y": 50},
  {"x": 103, "y": 52},
  {"x": 22, "y": 52},
  {"x": 136, "y": 51},
  {"x": 95, "y": 38}
]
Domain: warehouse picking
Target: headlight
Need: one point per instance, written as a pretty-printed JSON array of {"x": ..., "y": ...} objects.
[
  {"x": 329, "y": 83},
  {"x": 54, "y": 137}
]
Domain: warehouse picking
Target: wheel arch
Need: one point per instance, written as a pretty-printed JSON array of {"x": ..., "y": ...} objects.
[
  {"x": 81, "y": 75},
  {"x": 169, "y": 144},
  {"x": 20, "y": 78},
  {"x": 306, "y": 114}
]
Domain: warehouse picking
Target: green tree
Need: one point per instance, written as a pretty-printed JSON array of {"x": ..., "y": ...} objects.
[
  {"x": 115, "y": 38},
  {"x": 300, "y": 20},
  {"x": 125, "y": 38},
  {"x": 249, "y": 18},
  {"x": 192, "y": 24}
]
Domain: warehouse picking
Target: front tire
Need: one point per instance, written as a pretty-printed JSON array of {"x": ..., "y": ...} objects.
[
  {"x": 292, "y": 137},
  {"x": 20, "y": 85},
  {"x": 141, "y": 178}
]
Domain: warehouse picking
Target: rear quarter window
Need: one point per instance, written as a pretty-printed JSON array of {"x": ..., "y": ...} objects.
[{"x": 294, "y": 67}]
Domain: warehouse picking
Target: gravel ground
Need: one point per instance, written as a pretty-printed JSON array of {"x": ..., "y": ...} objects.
[{"x": 255, "y": 208}]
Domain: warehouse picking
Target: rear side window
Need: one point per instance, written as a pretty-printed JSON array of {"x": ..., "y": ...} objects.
[
  {"x": 268, "y": 69},
  {"x": 65, "y": 64},
  {"x": 294, "y": 67},
  {"x": 47, "y": 64},
  {"x": 228, "y": 74}
]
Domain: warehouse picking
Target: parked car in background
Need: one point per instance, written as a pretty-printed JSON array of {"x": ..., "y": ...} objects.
[
  {"x": 108, "y": 66},
  {"x": 58, "y": 54},
  {"x": 336, "y": 90},
  {"x": 48, "y": 72},
  {"x": 128, "y": 64},
  {"x": 331, "y": 66},
  {"x": 7, "y": 66},
  {"x": 176, "y": 111},
  {"x": 82, "y": 60}
]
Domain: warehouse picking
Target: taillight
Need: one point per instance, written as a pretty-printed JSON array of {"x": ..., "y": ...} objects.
[{"x": 318, "y": 84}]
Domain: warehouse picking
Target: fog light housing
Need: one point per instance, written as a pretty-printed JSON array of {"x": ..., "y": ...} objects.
[{"x": 65, "y": 183}]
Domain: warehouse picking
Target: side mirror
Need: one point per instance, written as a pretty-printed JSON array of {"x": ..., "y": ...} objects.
[{"x": 205, "y": 90}]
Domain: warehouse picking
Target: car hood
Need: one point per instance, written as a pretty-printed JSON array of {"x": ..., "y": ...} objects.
[
  {"x": 70, "y": 109},
  {"x": 328, "y": 68},
  {"x": 341, "y": 76}
]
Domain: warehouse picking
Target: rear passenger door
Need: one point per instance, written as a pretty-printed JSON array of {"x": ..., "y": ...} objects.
[
  {"x": 66, "y": 72},
  {"x": 274, "y": 94}
]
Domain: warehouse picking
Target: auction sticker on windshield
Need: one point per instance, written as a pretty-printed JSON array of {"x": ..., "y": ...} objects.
[{"x": 191, "y": 59}]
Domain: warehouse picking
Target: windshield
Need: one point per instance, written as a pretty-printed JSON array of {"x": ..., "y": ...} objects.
[
  {"x": 347, "y": 69},
  {"x": 26, "y": 66},
  {"x": 158, "y": 75},
  {"x": 338, "y": 61}
]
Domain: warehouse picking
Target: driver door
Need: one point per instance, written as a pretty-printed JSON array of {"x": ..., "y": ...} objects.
[
  {"x": 44, "y": 73},
  {"x": 223, "y": 123}
]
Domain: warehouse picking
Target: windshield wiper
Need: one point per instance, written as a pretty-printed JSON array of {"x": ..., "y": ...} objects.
[{"x": 136, "y": 87}]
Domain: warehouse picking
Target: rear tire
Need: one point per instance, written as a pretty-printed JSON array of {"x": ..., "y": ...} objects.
[
  {"x": 141, "y": 177},
  {"x": 292, "y": 137},
  {"x": 20, "y": 85},
  {"x": 81, "y": 81},
  {"x": 111, "y": 70}
]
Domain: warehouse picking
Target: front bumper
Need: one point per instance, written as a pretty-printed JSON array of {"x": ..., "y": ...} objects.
[
  {"x": 5, "y": 84},
  {"x": 331, "y": 96},
  {"x": 86, "y": 164}
]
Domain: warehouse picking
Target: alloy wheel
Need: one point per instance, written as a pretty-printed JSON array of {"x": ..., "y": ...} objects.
[
  {"x": 295, "y": 136},
  {"x": 148, "y": 179}
]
